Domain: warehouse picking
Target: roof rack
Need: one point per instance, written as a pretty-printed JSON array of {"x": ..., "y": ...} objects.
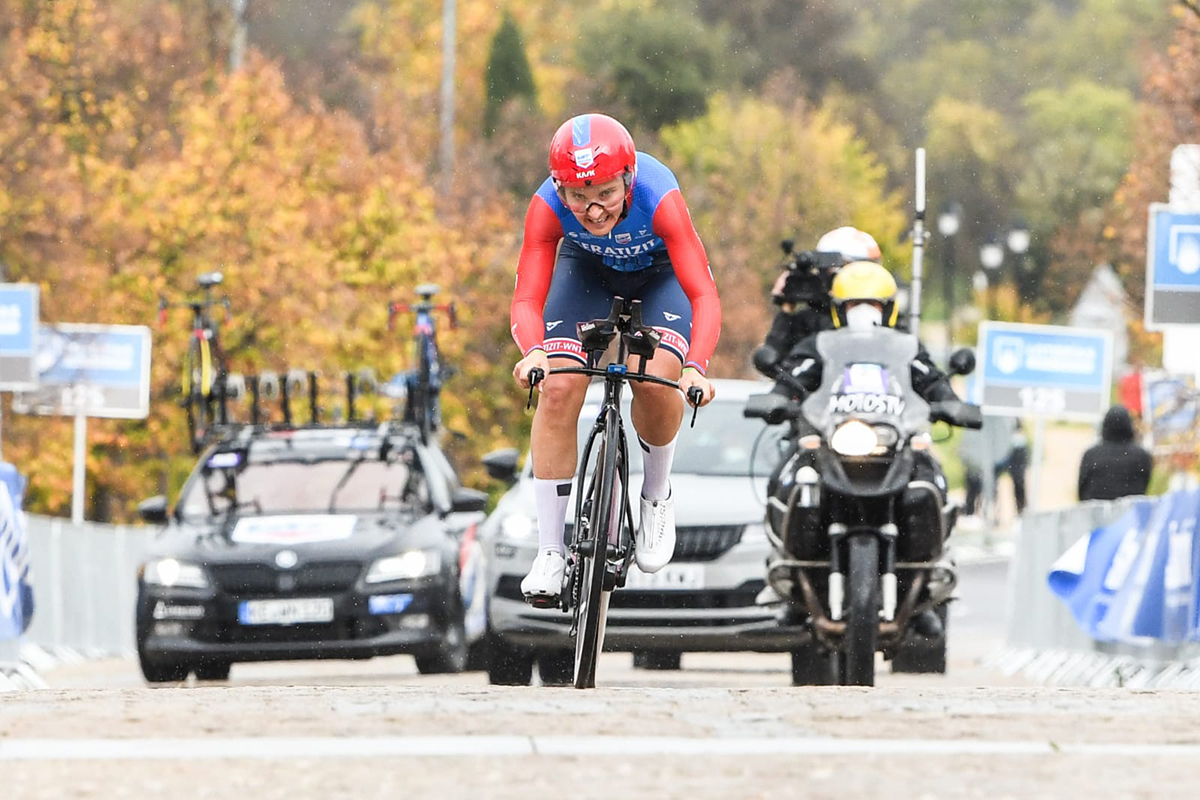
[{"x": 264, "y": 388}]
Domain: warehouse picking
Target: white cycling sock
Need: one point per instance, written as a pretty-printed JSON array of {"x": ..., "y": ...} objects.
[
  {"x": 551, "y": 497},
  {"x": 657, "y": 460}
]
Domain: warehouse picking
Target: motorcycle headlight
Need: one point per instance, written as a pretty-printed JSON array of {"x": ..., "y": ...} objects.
[
  {"x": 170, "y": 573},
  {"x": 854, "y": 438},
  {"x": 518, "y": 526},
  {"x": 409, "y": 564}
]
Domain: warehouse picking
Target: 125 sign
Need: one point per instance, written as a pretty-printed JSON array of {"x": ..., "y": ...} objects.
[{"x": 1043, "y": 399}]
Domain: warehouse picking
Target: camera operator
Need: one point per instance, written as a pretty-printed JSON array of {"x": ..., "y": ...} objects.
[{"x": 802, "y": 290}]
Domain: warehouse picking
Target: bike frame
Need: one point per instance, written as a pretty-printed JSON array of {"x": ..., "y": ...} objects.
[
  {"x": 205, "y": 356},
  {"x": 605, "y": 516},
  {"x": 427, "y": 357}
]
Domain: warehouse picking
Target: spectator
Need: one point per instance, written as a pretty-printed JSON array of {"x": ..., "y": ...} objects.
[
  {"x": 1117, "y": 466},
  {"x": 1014, "y": 464},
  {"x": 996, "y": 442}
]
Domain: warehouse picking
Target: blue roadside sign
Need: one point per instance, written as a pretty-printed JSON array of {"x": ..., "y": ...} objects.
[
  {"x": 97, "y": 370},
  {"x": 1044, "y": 370},
  {"x": 18, "y": 336},
  {"x": 1172, "y": 267}
]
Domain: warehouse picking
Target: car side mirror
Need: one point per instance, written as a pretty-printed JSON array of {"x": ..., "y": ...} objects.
[
  {"x": 962, "y": 361},
  {"x": 468, "y": 500},
  {"x": 502, "y": 464},
  {"x": 153, "y": 510}
]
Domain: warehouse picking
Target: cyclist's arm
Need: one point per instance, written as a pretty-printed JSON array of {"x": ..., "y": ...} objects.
[
  {"x": 674, "y": 224},
  {"x": 534, "y": 268}
]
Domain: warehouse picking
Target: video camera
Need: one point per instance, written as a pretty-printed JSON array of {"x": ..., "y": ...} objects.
[{"x": 810, "y": 275}]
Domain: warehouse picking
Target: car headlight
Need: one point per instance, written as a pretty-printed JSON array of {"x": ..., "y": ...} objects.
[
  {"x": 518, "y": 526},
  {"x": 170, "y": 573},
  {"x": 409, "y": 564},
  {"x": 854, "y": 438}
]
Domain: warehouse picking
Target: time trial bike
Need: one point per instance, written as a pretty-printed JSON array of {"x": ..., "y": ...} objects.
[
  {"x": 422, "y": 384},
  {"x": 602, "y": 544},
  {"x": 203, "y": 379}
]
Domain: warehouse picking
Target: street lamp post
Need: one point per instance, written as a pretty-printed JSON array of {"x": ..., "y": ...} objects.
[
  {"x": 948, "y": 223},
  {"x": 1018, "y": 240},
  {"x": 991, "y": 256}
]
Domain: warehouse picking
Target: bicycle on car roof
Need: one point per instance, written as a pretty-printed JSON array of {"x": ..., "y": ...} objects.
[
  {"x": 421, "y": 385},
  {"x": 602, "y": 543},
  {"x": 204, "y": 370}
]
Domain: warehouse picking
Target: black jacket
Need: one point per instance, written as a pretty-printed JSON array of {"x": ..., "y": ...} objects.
[
  {"x": 1117, "y": 466},
  {"x": 805, "y": 365}
]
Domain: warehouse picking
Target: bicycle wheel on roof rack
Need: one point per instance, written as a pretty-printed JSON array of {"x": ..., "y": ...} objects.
[
  {"x": 421, "y": 399},
  {"x": 198, "y": 406}
]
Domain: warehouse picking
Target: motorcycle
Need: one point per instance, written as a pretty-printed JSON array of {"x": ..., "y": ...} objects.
[{"x": 856, "y": 562}]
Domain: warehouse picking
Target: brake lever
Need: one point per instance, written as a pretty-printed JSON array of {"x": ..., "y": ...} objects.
[
  {"x": 695, "y": 395},
  {"x": 536, "y": 376}
]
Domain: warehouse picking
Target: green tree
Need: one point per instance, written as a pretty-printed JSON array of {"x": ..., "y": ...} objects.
[
  {"x": 508, "y": 76},
  {"x": 650, "y": 66},
  {"x": 755, "y": 173}
]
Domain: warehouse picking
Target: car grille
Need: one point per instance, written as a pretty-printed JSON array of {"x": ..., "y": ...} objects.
[
  {"x": 700, "y": 542},
  {"x": 253, "y": 579}
]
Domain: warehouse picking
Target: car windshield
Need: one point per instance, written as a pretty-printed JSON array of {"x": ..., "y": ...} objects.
[
  {"x": 326, "y": 485},
  {"x": 722, "y": 442}
]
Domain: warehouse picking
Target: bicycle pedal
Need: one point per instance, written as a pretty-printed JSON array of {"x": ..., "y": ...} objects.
[{"x": 544, "y": 600}]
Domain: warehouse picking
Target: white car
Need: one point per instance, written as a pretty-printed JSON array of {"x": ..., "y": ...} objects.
[{"x": 704, "y": 600}]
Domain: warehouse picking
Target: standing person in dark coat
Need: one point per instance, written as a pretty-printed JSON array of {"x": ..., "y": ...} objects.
[{"x": 1117, "y": 466}]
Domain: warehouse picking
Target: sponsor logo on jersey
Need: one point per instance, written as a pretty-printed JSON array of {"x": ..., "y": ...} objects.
[
  {"x": 866, "y": 404},
  {"x": 671, "y": 317},
  {"x": 623, "y": 238},
  {"x": 617, "y": 252},
  {"x": 552, "y": 324},
  {"x": 584, "y": 158}
]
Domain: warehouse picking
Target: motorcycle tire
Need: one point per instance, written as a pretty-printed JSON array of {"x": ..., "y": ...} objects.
[
  {"x": 919, "y": 655},
  {"x": 862, "y": 611},
  {"x": 812, "y": 666}
]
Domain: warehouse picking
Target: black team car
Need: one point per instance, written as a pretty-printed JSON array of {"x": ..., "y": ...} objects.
[{"x": 330, "y": 541}]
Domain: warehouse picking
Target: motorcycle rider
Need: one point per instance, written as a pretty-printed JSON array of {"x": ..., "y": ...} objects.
[
  {"x": 802, "y": 290},
  {"x": 863, "y": 296}
]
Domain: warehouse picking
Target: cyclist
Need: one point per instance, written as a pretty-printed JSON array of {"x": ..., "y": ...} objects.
[
  {"x": 863, "y": 296},
  {"x": 609, "y": 221},
  {"x": 801, "y": 290}
]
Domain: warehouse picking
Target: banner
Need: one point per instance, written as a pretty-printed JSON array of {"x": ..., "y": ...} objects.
[
  {"x": 1135, "y": 580},
  {"x": 16, "y": 590}
]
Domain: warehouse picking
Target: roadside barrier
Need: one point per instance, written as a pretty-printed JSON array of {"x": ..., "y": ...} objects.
[
  {"x": 1107, "y": 593},
  {"x": 84, "y": 588}
]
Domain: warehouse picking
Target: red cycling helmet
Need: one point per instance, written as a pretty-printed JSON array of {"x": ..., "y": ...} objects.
[{"x": 591, "y": 149}]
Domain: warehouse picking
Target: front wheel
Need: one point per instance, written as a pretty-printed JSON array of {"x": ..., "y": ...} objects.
[
  {"x": 592, "y": 607},
  {"x": 862, "y": 612}
]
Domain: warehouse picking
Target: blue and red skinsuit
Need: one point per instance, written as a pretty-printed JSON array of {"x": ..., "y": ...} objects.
[{"x": 656, "y": 233}]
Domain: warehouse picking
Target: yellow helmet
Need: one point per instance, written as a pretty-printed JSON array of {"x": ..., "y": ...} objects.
[{"x": 863, "y": 280}]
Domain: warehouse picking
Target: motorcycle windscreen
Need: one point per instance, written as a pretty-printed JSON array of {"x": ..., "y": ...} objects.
[{"x": 867, "y": 375}]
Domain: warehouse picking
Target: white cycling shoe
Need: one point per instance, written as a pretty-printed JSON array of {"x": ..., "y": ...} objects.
[
  {"x": 655, "y": 541},
  {"x": 545, "y": 578}
]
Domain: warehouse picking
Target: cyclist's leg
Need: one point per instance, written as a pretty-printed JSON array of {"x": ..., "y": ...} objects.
[
  {"x": 575, "y": 295},
  {"x": 657, "y": 413}
]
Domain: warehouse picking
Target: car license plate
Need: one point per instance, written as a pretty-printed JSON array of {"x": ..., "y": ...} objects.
[
  {"x": 285, "y": 612},
  {"x": 672, "y": 576}
]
